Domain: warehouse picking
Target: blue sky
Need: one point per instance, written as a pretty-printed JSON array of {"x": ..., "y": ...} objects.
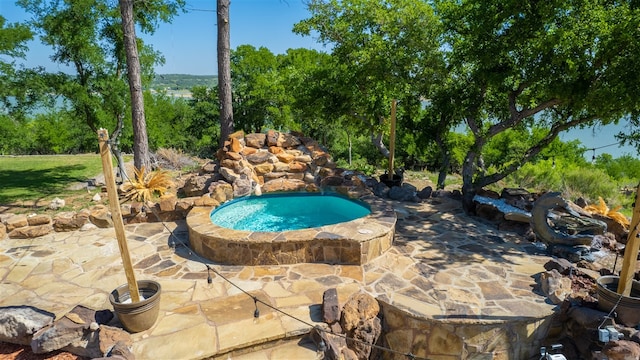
[
  {"x": 188, "y": 43},
  {"x": 189, "y": 47}
]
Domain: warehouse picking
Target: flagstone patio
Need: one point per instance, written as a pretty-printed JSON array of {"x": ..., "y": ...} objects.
[{"x": 450, "y": 287}]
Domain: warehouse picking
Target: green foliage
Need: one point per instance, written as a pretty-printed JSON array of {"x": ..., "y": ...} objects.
[
  {"x": 357, "y": 164},
  {"x": 590, "y": 185},
  {"x": 13, "y": 38},
  {"x": 624, "y": 169},
  {"x": 381, "y": 50},
  {"x": 203, "y": 128},
  {"x": 57, "y": 133},
  {"x": 572, "y": 180},
  {"x": 259, "y": 96},
  {"x": 86, "y": 36},
  {"x": 166, "y": 118},
  {"x": 553, "y": 65},
  {"x": 364, "y": 157}
]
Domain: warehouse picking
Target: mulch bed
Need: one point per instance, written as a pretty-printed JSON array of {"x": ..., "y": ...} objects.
[{"x": 23, "y": 352}]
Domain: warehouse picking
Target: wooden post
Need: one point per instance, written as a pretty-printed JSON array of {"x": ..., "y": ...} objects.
[
  {"x": 630, "y": 251},
  {"x": 116, "y": 214},
  {"x": 392, "y": 139}
]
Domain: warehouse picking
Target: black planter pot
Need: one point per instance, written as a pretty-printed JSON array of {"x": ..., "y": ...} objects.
[
  {"x": 139, "y": 316},
  {"x": 626, "y": 307},
  {"x": 396, "y": 180}
]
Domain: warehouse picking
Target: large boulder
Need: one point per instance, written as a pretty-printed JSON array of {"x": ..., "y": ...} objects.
[
  {"x": 38, "y": 219},
  {"x": 255, "y": 140},
  {"x": 197, "y": 185},
  {"x": 283, "y": 185},
  {"x": 18, "y": 324},
  {"x": 30, "y": 232},
  {"x": 69, "y": 221},
  {"x": 555, "y": 286},
  {"x": 622, "y": 350},
  {"x": 360, "y": 321},
  {"x": 221, "y": 191},
  {"x": 16, "y": 221},
  {"x": 83, "y": 332},
  {"x": 101, "y": 217}
]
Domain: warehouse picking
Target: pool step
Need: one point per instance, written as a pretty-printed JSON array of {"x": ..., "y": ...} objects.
[{"x": 300, "y": 348}]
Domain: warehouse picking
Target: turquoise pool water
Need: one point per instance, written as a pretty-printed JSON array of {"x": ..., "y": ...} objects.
[{"x": 282, "y": 212}]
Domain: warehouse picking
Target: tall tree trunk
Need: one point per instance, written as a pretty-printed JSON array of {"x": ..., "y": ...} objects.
[
  {"x": 446, "y": 160},
  {"x": 115, "y": 148},
  {"x": 140, "y": 139},
  {"x": 468, "y": 186},
  {"x": 224, "y": 71},
  {"x": 349, "y": 139}
]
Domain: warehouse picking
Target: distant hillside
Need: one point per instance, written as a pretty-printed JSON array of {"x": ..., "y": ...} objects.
[{"x": 183, "y": 81}]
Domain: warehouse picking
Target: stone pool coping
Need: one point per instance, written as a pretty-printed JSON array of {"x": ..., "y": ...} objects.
[{"x": 355, "y": 242}]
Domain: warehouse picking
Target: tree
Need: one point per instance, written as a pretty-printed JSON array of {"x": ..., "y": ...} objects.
[
  {"x": 382, "y": 50},
  {"x": 554, "y": 64},
  {"x": 140, "y": 140},
  {"x": 86, "y": 35},
  {"x": 12, "y": 44},
  {"x": 206, "y": 106},
  {"x": 13, "y": 38},
  {"x": 259, "y": 97},
  {"x": 224, "y": 71}
]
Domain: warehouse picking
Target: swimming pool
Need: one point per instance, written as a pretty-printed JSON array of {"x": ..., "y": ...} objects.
[
  {"x": 291, "y": 211},
  {"x": 356, "y": 241}
]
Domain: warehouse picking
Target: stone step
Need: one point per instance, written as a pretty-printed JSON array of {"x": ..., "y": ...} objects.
[{"x": 300, "y": 348}]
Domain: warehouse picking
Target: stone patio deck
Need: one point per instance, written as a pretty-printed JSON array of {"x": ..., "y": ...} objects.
[{"x": 450, "y": 287}]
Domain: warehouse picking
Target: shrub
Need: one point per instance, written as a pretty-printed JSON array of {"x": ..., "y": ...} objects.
[
  {"x": 173, "y": 159},
  {"x": 145, "y": 185}
]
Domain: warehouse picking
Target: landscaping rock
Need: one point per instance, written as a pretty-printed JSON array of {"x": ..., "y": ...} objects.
[
  {"x": 168, "y": 202},
  {"x": 3, "y": 231},
  {"x": 425, "y": 193},
  {"x": 30, "y": 232},
  {"x": 255, "y": 140},
  {"x": 283, "y": 185},
  {"x": 221, "y": 191},
  {"x": 586, "y": 317},
  {"x": 622, "y": 350},
  {"x": 262, "y": 157},
  {"x": 101, "y": 217},
  {"x": 18, "y": 324},
  {"x": 38, "y": 219},
  {"x": 120, "y": 351},
  {"x": 56, "y": 204},
  {"x": 359, "y": 321},
  {"x": 197, "y": 185},
  {"x": 69, "y": 221},
  {"x": 242, "y": 187},
  {"x": 82, "y": 332},
  {"x": 563, "y": 266},
  {"x": 287, "y": 141},
  {"x": 16, "y": 221},
  {"x": 208, "y": 168},
  {"x": 555, "y": 286},
  {"x": 330, "y": 306},
  {"x": 406, "y": 192}
]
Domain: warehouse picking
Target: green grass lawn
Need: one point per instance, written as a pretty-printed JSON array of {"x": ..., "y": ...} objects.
[{"x": 39, "y": 177}]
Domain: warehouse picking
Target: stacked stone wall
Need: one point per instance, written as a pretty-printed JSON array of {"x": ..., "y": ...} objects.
[
  {"x": 467, "y": 338},
  {"x": 271, "y": 162}
]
